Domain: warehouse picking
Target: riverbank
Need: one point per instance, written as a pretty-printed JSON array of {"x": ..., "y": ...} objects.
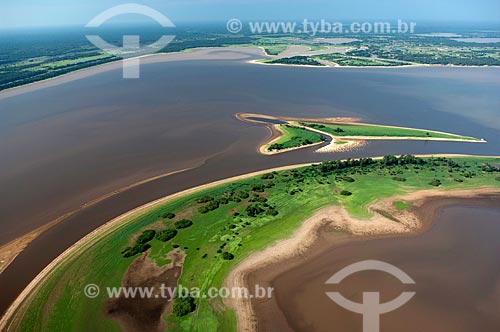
[
  {"x": 11, "y": 250},
  {"x": 306, "y": 242},
  {"x": 314, "y": 196},
  {"x": 337, "y": 143},
  {"x": 102, "y": 232}
]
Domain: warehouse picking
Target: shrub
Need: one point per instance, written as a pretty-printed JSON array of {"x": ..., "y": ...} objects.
[
  {"x": 184, "y": 223},
  {"x": 254, "y": 210},
  {"x": 166, "y": 235},
  {"x": 400, "y": 179},
  {"x": 183, "y": 306},
  {"x": 276, "y": 146},
  {"x": 146, "y": 236},
  {"x": 242, "y": 194},
  {"x": 168, "y": 215},
  {"x": 345, "y": 193},
  {"x": 258, "y": 187},
  {"x": 497, "y": 178},
  {"x": 268, "y": 176},
  {"x": 348, "y": 179},
  {"x": 227, "y": 256},
  {"x": 272, "y": 212},
  {"x": 209, "y": 207},
  {"x": 435, "y": 183},
  {"x": 458, "y": 180},
  {"x": 205, "y": 199},
  {"x": 136, "y": 249}
]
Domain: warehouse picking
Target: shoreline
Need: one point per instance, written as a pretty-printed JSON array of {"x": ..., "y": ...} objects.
[
  {"x": 10, "y": 250},
  {"x": 287, "y": 254},
  {"x": 352, "y": 141},
  {"x": 122, "y": 220},
  {"x": 416, "y": 65},
  {"x": 116, "y": 64},
  {"x": 103, "y": 231}
]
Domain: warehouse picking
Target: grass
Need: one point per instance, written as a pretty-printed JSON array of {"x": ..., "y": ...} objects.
[
  {"x": 382, "y": 131},
  {"x": 294, "y": 137},
  {"x": 59, "y": 304},
  {"x": 400, "y": 205}
]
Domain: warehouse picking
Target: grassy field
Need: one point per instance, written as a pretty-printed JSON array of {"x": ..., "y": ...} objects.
[
  {"x": 239, "y": 225},
  {"x": 381, "y": 131},
  {"x": 294, "y": 137}
]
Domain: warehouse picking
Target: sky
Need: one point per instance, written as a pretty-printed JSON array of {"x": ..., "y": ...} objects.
[{"x": 33, "y": 13}]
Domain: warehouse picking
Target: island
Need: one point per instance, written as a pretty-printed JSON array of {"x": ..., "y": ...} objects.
[{"x": 336, "y": 134}]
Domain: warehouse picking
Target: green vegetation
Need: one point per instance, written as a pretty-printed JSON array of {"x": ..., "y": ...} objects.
[
  {"x": 168, "y": 215},
  {"x": 344, "y": 60},
  {"x": 27, "y": 58},
  {"x": 435, "y": 183},
  {"x": 183, "y": 306},
  {"x": 233, "y": 230},
  {"x": 227, "y": 256},
  {"x": 429, "y": 50},
  {"x": 184, "y": 223},
  {"x": 297, "y": 60},
  {"x": 400, "y": 205},
  {"x": 166, "y": 235},
  {"x": 141, "y": 244},
  {"x": 381, "y": 131},
  {"x": 295, "y": 137}
]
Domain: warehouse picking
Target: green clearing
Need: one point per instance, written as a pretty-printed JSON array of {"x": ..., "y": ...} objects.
[
  {"x": 294, "y": 137},
  {"x": 400, "y": 205},
  {"x": 381, "y": 131},
  {"x": 240, "y": 225}
]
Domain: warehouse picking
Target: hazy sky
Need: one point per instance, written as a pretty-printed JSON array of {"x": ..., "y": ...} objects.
[{"x": 18, "y": 13}]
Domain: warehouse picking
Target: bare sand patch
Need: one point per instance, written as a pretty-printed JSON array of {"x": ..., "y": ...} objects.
[{"x": 400, "y": 222}]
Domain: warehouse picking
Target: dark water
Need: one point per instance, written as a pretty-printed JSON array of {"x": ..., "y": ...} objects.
[
  {"x": 65, "y": 145},
  {"x": 454, "y": 266}
]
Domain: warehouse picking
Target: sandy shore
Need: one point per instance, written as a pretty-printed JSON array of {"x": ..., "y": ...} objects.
[
  {"x": 305, "y": 232},
  {"x": 277, "y": 133},
  {"x": 100, "y": 233},
  {"x": 9, "y": 251},
  {"x": 351, "y": 142},
  {"x": 338, "y": 218}
]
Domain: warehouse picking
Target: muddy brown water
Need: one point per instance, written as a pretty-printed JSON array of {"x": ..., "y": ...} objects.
[
  {"x": 454, "y": 265},
  {"x": 66, "y": 144}
]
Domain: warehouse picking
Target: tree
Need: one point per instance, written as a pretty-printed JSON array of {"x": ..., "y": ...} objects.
[
  {"x": 146, "y": 236},
  {"x": 435, "y": 183},
  {"x": 254, "y": 210},
  {"x": 184, "y": 223},
  {"x": 227, "y": 256},
  {"x": 183, "y": 306},
  {"x": 168, "y": 215},
  {"x": 166, "y": 235}
]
